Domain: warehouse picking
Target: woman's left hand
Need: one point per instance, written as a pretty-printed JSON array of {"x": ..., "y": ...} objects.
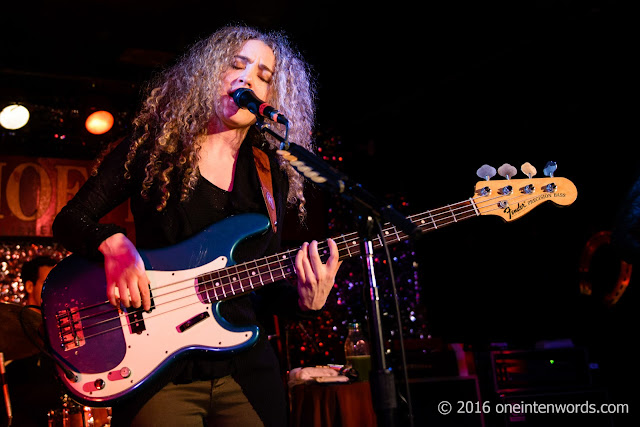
[{"x": 315, "y": 279}]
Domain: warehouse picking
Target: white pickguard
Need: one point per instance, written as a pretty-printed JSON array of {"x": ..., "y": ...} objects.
[{"x": 175, "y": 302}]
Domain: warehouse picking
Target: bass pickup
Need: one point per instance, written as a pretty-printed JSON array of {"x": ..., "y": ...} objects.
[{"x": 192, "y": 322}]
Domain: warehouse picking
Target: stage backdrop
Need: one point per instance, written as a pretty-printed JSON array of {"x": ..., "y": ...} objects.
[{"x": 34, "y": 189}]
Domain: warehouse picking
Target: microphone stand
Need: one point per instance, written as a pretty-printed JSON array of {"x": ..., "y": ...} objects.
[{"x": 370, "y": 212}]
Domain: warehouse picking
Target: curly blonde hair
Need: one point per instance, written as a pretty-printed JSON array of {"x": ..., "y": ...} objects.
[{"x": 181, "y": 101}]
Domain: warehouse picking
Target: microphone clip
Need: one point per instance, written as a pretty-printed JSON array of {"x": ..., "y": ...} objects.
[{"x": 264, "y": 127}]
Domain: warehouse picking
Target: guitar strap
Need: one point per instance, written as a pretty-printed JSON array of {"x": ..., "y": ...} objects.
[{"x": 264, "y": 174}]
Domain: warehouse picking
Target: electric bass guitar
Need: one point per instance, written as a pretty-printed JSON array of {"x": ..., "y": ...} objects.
[{"x": 104, "y": 354}]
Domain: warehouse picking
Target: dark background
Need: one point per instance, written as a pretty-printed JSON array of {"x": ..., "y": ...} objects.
[{"x": 420, "y": 96}]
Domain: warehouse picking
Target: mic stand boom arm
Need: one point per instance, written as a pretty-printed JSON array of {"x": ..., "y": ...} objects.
[{"x": 372, "y": 211}]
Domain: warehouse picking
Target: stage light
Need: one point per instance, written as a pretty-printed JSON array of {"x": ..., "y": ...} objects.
[
  {"x": 14, "y": 117},
  {"x": 99, "y": 122}
]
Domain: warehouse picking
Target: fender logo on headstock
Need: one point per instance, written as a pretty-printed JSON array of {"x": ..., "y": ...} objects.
[{"x": 515, "y": 211}]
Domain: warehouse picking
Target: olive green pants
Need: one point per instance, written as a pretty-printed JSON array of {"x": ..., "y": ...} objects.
[{"x": 215, "y": 403}]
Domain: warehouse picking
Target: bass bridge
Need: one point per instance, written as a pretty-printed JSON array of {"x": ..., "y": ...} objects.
[{"x": 70, "y": 328}]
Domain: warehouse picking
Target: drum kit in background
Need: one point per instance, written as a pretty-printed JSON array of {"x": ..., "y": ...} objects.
[
  {"x": 20, "y": 340},
  {"x": 72, "y": 414}
]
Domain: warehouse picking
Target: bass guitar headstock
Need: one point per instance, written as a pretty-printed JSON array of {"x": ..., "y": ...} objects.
[{"x": 513, "y": 198}]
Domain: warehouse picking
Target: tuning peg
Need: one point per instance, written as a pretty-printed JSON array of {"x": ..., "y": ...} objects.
[
  {"x": 528, "y": 170},
  {"x": 507, "y": 171},
  {"x": 550, "y": 168},
  {"x": 486, "y": 172}
]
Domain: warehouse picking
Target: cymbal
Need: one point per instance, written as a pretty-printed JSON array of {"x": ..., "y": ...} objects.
[{"x": 15, "y": 319}]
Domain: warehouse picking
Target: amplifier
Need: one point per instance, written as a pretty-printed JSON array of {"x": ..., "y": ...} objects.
[{"x": 530, "y": 370}]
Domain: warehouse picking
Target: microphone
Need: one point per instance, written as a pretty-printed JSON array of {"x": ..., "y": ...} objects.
[{"x": 245, "y": 98}]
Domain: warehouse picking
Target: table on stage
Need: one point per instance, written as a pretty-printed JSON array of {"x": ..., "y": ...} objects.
[{"x": 337, "y": 404}]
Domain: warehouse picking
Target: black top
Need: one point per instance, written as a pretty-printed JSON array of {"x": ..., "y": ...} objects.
[{"x": 78, "y": 229}]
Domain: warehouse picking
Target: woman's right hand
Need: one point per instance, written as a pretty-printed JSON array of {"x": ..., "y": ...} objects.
[{"x": 127, "y": 280}]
